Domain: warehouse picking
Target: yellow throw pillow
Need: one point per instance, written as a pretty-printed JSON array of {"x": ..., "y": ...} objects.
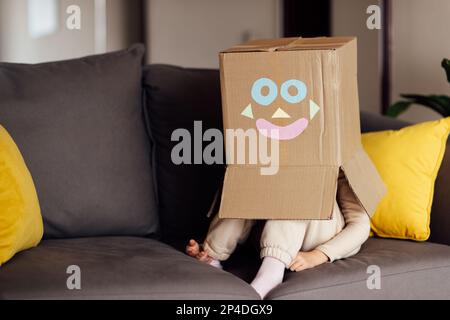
[
  {"x": 21, "y": 224},
  {"x": 408, "y": 160}
]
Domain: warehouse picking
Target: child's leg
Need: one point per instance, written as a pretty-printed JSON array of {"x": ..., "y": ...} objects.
[
  {"x": 281, "y": 240},
  {"x": 224, "y": 235}
]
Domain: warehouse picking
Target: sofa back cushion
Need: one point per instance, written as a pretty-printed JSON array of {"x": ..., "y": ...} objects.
[
  {"x": 175, "y": 98},
  {"x": 80, "y": 128}
]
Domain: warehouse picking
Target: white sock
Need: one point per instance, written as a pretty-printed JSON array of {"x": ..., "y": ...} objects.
[
  {"x": 269, "y": 276},
  {"x": 216, "y": 263}
]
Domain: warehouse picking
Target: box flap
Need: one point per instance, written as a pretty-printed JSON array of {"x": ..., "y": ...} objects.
[
  {"x": 365, "y": 181},
  {"x": 289, "y": 44},
  {"x": 261, "y": 45},
  {"x": 295, "y": 193}
]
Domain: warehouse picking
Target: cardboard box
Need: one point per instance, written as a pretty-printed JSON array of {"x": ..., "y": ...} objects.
[{"x": 305, "y": 89}]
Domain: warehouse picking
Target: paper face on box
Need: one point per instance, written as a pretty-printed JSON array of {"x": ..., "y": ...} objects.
[
  {"x": 305, "y": 90},
  {"x": 265, "y": 91}
]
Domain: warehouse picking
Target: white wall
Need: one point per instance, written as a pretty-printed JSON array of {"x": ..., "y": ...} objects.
[
  {"x": 16, "y": 45},
  {"x": 191, "y": 33},
  {"x": 349, "y": 19},
  {"x": 420, "y": 40}
]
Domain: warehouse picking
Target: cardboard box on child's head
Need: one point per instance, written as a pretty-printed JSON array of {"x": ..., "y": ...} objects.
[{"x": 302, "y": 95}]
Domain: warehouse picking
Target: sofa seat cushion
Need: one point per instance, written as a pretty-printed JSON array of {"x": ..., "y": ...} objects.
[
  {"x": 116, "y": 268},
  {"x": 409, "y": 270}
]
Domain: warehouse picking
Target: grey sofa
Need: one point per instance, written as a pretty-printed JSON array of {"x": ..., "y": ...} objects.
[{"x": 151, "y": 265}]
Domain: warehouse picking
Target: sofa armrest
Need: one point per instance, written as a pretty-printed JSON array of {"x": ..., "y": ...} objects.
[{"x": 440, "y": 212}]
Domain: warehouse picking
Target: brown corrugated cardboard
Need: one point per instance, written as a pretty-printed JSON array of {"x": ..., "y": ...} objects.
[{"x": 305, "y": 90}]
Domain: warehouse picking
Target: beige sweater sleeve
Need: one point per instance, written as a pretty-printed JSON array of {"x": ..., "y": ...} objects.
[{"x": 357, "y": 225}]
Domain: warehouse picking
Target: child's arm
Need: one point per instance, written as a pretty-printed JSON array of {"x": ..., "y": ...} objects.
[
  {"x": 346, "y": 243},
  {"x": 357, "y": 225}
]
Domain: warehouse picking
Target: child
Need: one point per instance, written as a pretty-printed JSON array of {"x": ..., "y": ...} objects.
[{"x": 294, "y": 244}]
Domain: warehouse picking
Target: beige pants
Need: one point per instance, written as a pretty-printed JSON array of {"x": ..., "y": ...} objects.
[{"x": 283, "y": 239}]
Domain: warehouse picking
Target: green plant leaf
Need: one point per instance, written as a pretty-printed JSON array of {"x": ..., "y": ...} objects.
[
  {"x": 398, "y": 108},
  {"x": 438, "y": 103},
  {"x": 446, "y": 65},
  {"x": 442, "y": 100}
]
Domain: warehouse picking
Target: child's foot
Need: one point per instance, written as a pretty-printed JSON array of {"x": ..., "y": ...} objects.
[
  {"x": 269, "y": 276},
  {"x": 194, "y": 250}
]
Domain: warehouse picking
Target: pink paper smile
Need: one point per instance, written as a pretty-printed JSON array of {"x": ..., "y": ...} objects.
[{"x": 288, "y": 132}]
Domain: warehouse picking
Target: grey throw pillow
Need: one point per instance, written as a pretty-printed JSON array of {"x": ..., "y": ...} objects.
[{"x": 80, "y": 128}]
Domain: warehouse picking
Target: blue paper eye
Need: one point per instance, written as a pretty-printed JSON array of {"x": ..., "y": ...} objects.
[
  {"x": 257, "y": 94},
  {"x": 301, "y": 91}
]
